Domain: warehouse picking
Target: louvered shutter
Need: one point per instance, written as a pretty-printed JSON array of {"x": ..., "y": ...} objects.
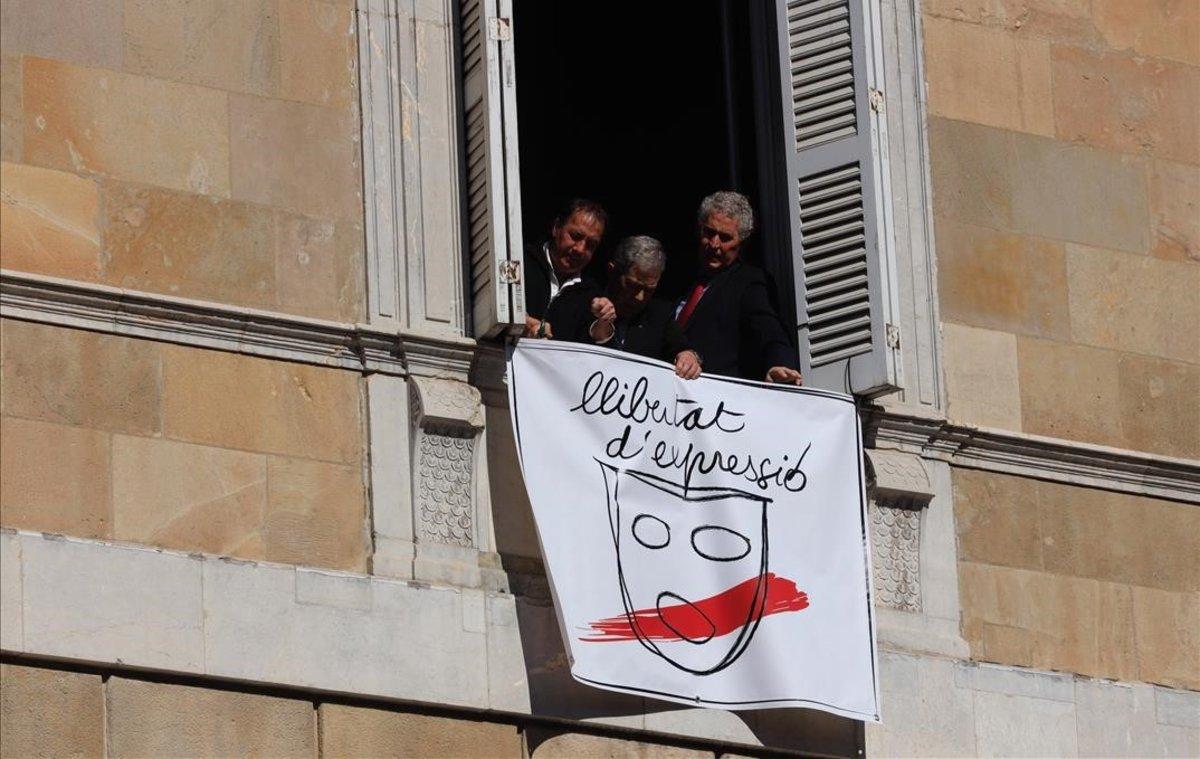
[
  {"x": 493, "y": 192},
  {"x": 835, "y": 144}
]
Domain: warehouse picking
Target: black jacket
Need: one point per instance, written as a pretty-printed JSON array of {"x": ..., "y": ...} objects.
[
  {"x": 569, "y": 310},
  {"x": 652, "y": 332},
  {"x": 735, "y": 328}
]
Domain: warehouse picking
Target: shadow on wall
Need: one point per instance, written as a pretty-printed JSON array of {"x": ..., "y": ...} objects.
[{"x": 552, "y": 690}]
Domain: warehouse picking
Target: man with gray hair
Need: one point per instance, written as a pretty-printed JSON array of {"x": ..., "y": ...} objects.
[
  {"x": 728, "y": 316},
  {"x": 628, "y": 318}
]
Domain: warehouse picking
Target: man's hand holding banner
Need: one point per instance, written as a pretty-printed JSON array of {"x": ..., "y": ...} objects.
[{"x": 705, "y": 540}]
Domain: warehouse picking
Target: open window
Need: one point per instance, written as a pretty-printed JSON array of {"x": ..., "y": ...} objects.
[{"x": 648, "y": 107}]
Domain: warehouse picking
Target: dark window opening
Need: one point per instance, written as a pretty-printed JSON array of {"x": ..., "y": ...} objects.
[{"x": 647, "y": 107}]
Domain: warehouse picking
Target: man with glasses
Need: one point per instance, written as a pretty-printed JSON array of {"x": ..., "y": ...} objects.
[{"x": 630, "y": 319}]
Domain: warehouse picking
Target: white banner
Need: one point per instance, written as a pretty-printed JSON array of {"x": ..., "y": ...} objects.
[{"x": 706, "y": 541}]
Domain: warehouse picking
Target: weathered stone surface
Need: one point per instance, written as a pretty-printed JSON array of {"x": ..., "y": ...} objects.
[
  {"x": 1134, "y": 303},
  {"x": 1175, "y": 210},
  {"x": 155, "y": 719},
  {"x": 990, "y": 678},
  {"x": 1163, "y": 28},
  {"x": 266, "y": 137},
  {"x": 318, "y": 53},
  {"x": 256, "y": 404},
  {"x": 1159, "y": 408},
  {"x": 981, "y": 376},
  {"x": 1118, "y": 537},
  {"x": 972, "y": 173},
  {"x": 1057, "y": 20},
  {"x": 48, "y": 713},
  {"x": 266, "y": 622},
  {"x": 108, "y": 603},
  {"x": 1079, "y": 193},
  {"x": 319, "y": 267},
  {"x": 50, "y": 222},
  {"x": 1118, "y": 719},
  {"x": 1038, "y": 186},
  {"x": 189, "y": 497},
  {"x": 1124, "y": 103},
  {"x": 87, "y": 32},
  {"x": 988, "y": 76},
  {"x": 1007, "y": 725},
  {"x": 189, "y": 245},
  {"x": 228, "y": 44},
  {"x": 926, "y": 712},
  {"x": 1065, "y": 390},
  {"x": 11, "y": 121},
  {"x": 12, "y": 621},
  {"x": 714, "y": 725},
  {"x": 1009, "y": 282},
  {"x": 231, "y": 252},
  {"x": 78, "y": 377},
  {"x": 584, "y": 746},
  {"x": 348, "y": 731},
  {"x": 1116, "y": 645},
  {"x": 129, "y": 127},
  {"x": 1167, "y": 626},
  {"x": 996, "y": 519},
  {"x": 1180, "y": 708},
  {"x": 316, "y": 514},
  {"x": 54, "y": 478},
  {"x": 1035, "y": 619}
]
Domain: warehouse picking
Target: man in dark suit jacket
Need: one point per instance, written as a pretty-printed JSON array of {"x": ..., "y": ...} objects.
[
  {"x": 557, "y": 295},
  {"x": 630, "y": 319},
  {"x": 727, "y": 315}
]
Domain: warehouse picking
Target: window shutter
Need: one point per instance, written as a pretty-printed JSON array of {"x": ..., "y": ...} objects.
[
  {"x": 493, "y": 192},
  {"x": 835, "y": 144}
]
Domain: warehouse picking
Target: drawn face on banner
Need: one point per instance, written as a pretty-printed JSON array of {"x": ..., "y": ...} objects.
[{"x": 691, "y": 565}]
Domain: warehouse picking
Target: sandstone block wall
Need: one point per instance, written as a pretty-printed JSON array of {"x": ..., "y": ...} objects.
[
  {"x": 54, "y": 713},
  {"x": 1077, "y": 580},
  {"x": 202, "y": 149},
  {"x": 118, "y": 438},
  {"x": 1065, "y": 161},
  {"x": 1066, "y": 181}
]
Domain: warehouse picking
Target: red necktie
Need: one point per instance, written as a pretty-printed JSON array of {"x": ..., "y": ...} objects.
[{"x": 690, "y": 306}]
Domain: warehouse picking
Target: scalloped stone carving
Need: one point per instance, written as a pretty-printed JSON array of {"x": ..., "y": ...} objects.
[
  {"x": 896, "y": 556},
  {"x": 444, "y": 508},
  {"x": 446, "y": 418}
]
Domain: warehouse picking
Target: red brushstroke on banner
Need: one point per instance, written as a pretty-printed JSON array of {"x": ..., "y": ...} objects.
[{"x": 712, "y": 617}]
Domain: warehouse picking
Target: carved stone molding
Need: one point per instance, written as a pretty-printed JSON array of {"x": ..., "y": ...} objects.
[
  {"x": 899, "y": 479},
  {"x": 896, "y": 556},
  {"x": 445, "y": 508},
  {"x": 369, "y": 350},
  {"x": 1025, "y": 455},
  {"x": 203, "y": 324},
  {"x": 220, "y": 326},
  {"x": 446, "y": 403},
  {"x": 899, "y": 488},
  {"x": 447, "y": 417}
]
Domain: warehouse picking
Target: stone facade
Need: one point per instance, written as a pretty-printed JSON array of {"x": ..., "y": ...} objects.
[
  {"x": 1066, "y": 277},
  {"x": 248, "y": 444},
  {"x": 207, "y": 149}
]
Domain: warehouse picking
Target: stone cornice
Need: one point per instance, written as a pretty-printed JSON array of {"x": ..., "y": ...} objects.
[
  {"x": 1026, "y": 455},
  {"x": 219, "y": 326},
  {"x": 363, "y": 348}
]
